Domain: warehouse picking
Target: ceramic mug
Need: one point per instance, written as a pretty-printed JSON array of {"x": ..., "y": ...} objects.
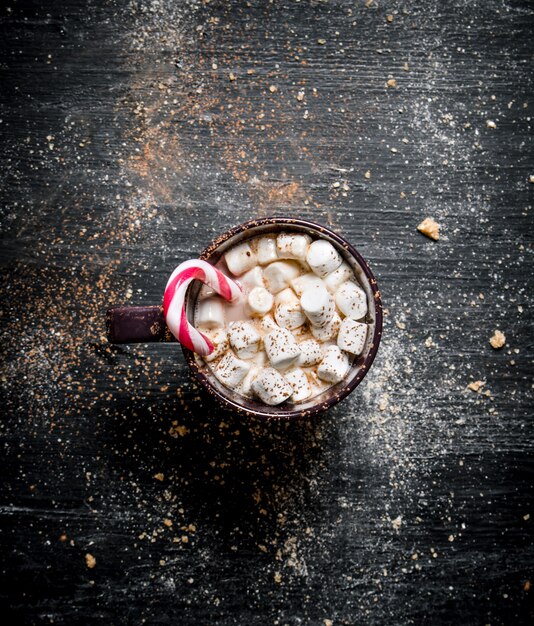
[{"x": 128, "y": 324}]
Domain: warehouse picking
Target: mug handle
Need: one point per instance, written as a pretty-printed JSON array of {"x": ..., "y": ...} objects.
[{"x": 137, "y": 324}]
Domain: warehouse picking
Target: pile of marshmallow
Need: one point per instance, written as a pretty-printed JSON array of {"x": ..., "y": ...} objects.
[{"x": 298, "y": 325}]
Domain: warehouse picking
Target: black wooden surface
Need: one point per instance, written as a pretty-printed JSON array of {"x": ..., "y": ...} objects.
[{"x": 132, "y": 133}]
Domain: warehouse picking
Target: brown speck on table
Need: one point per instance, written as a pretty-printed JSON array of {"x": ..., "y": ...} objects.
[
  {"x": 429, "y": 228},
  {"x": 90, "y": 561},
  {"x": 497, "y": 340}
]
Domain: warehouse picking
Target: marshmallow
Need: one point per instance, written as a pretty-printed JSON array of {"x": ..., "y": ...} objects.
[
  {"x": 219, "y": 339},
  {"x": 310, "y": 353},
  {"x": 287, "y": 311},
  {"x": 281, "y": 348},
  {"x": 244, "y": 339},
  {"x": 259, "y": 301},
  {"x": 210, "y": 313},
  {"x": 230, "y": 371},
  {"x": 337, "y": 277},
  {"x": 299, "y": 382},
  {"x": 279, "y": 274},
  {"x": 266, "y": 250},
  {"x": 318, "y": 305},
  {"x": 292, "y": 246},
  {"x": 351, "y": 336},
  {"x": 323, "y": 258},
  {"x": 253, "y": 278},
  {"x": 240, "y": 259},
  {"x": 302, "y": 283},
  {"x": 246, "y": 384},
  {"x": 334, "y": 366},
  {"x": 351, "y": 300},
  {"x": 271, "y": 387},
  {"x": 324, "y": 333},
  {"x": 267, "y": 324}
]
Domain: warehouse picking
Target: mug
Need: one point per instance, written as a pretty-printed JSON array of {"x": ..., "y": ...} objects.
[{"x": 129, "y": 324}]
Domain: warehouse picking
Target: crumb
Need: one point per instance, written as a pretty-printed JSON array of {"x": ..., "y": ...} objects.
[
  {"x": 476, "y": 385},
  {"x": 167, "y": 522},
  {"x": 531, "y": 178},
  {"x": 273, "y": 88},
  {"x": 389, "y": 18},
  {"x": 232, "y": 76},
  {"x": 491, "y": 124},
  {"x": 397, "y": 522},
  {"x": 406, "y": 67},
  {"x": 90, "y": 560},
  {"x": 526, "y": 517},
  {"x": 391, "y": 82},
  {"x": 300, "y": 96},
  {"x": 321, "y": 42},
  {"x": 328, "y": 622},
  {"x": 159, "y": 476},
  {"x": 429, "y": 342},
  {"x": 367, "y": 174},
  {"x": 277, "y": 577},
  {"x": 526, "y": 585},
  {"x": 430, "y": 228},
  {"x": 498, "y": 340}
]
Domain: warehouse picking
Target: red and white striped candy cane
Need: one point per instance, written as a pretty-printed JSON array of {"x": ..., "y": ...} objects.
[{"x": 174, "y": 301}]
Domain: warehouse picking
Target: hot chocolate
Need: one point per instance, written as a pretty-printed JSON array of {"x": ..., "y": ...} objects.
[{"x": 298, "y": 325}]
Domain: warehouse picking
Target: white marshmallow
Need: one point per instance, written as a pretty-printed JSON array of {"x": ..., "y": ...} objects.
[
  {"x": 300, "y": 284},
  {"x": 337, "y": 277},
  {"x": 299, "y": 382},
  {"x": 230, "y": 371},
  {"x": 253, "y": 278},
  {"x": 329, "y": 331},
  {"x": 244, "y": 339},
  {"x": 240, "y": 259},
  {"x": 267, "y": 324},
  {"x": 210, "y": 313},
  {"x": 287, "y": 310},
  {"x": 279, "y": 274},
  {"x": 318, "y": 305},
  {"x": 351, "y": 336},
  {"x": 271, "y": 387},
  {"x": 246, "y": 384},
  {"x": 219, "y": 339},
  {"x": 323, "y": 258},
  {"x": 281, "y": 348},
  {"x": 266, "y": 250},
  {"x": 259, "y": 301},
  {"x": 310, "y": 353},
  {"x": 292, "y": 246},
  {"x": 334, "y": 366},
  {"x": 351, "y": 300}
]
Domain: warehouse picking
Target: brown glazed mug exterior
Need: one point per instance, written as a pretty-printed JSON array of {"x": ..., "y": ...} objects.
[{"x": 360, "y": 365}]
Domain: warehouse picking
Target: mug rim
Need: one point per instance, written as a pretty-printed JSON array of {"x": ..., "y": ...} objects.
[{"x": 334, "y": 398}]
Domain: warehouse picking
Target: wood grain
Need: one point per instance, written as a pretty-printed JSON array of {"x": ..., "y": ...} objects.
[{"x": 133, "y": 133}]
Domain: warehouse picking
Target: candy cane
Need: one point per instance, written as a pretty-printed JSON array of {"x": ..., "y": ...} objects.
[{"x": 174, "y": 301}]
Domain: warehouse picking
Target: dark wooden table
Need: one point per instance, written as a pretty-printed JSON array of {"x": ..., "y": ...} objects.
[{"x": 133, "y": 132}]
